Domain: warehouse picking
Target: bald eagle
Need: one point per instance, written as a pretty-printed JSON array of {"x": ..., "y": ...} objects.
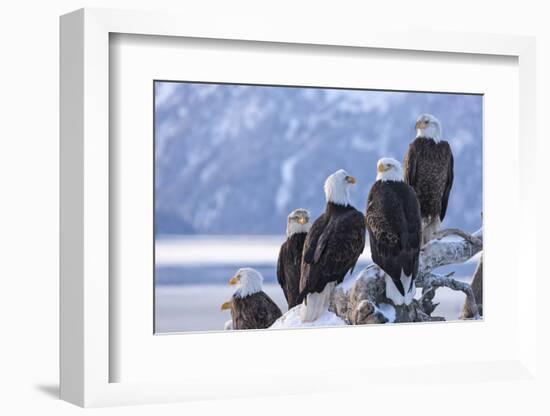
[
  {"x": 250, "y": 307},
  {"x": 428, "y": 166},
  {"x": 394, "y": 226},
  {"x": 332, "y": 246},
  {"x": 290, "y": 255}
]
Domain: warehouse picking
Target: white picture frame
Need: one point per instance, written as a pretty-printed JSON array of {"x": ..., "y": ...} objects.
[{"x": 87, "y": 302}]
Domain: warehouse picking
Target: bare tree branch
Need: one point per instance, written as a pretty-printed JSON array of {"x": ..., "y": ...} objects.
[
  {"x": 472, "y": 239},
  {"x": 435, "y": 281},
  {"x": 361, "y": 301},
  {"x": 477, "y": 289},
  {"x": 443, "y": 252}
]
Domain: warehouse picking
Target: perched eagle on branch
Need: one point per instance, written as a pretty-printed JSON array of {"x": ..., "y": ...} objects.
[
  {"x": 428, "y": 167},
  {"x": 250, "y": 307},
  {"x": 332, "y": 246},
  {"x": 394, "y": 226},
  {"x": 289, "y": 262}
]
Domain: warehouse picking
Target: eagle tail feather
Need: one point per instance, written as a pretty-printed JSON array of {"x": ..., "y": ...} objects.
[{"x": 399, "y": 286}]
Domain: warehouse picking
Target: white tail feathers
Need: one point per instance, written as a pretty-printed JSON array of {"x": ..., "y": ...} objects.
[
  {"x": 315, "y": 304},
  {"x": 393, "y": 293}
]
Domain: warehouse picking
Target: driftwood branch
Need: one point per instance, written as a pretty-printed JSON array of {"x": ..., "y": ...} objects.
[
  {"x": 364, "y": 301},
  {"x": 477, "y": 288},
  {"x": 435, "y": 281},
  {"x": 442, "y": 252},
  {"x": 471, "y": 238}
]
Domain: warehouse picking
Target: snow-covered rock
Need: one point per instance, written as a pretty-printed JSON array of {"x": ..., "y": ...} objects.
[
  {"x": 291, "y": 319},
  {"x": 388, "y": 311},
  {"x": 357, "y": 299}
]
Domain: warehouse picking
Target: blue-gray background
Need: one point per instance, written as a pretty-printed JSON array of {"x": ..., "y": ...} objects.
[{"x": 234, "y": 159}]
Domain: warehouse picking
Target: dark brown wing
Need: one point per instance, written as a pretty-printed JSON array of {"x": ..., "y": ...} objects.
[
  {"x": 255, "y": 311},
  {"x": 394, "y": 226},
  {"x": 338, "y": 247},
  {"x": 312, "y": 238},
  {"x": 281, "y": 269},
  {"x": 428, "y": 168},
  {"x": 289, "y": 266},
  {"x": 409, "y": 166},
  {"x": 448, "y": 183}
]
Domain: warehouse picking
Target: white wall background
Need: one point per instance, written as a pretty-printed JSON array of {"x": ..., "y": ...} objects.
[{"x": 29, "y": 57}]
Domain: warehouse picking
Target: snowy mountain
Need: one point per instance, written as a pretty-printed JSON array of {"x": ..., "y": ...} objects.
[{"x": 237, "y": 159}]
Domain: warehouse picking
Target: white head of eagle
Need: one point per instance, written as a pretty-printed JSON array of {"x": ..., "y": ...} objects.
[
  {"x": 389, "y": 169},
  {"x": 337, "y": 187},
  {"x": 298, "y": 222},
  {"x": 428, "y": 126},
  {"x": 248, "y": 281}
]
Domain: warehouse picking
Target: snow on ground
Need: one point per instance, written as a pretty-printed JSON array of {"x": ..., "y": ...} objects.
[
  {"x": 364, "y": 273},
  {"x": 195, "y": 306},
  {"x": 182, "y": 308},
  {"x": 291, "y": 319}
]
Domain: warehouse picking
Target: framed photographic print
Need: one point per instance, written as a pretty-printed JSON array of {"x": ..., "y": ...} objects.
[
  {"x": 253, "y": 201},
  {"x": 243, "y": 173}
]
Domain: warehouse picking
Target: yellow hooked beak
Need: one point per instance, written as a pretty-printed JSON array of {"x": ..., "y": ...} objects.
[
  {"x": 350, "y": 179},
  {"x": 381, "y": 168},
  {"x": 226, "y": 305},
  {"x": 234, "y": 280},
  {"x": 301, "y": 220}
]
